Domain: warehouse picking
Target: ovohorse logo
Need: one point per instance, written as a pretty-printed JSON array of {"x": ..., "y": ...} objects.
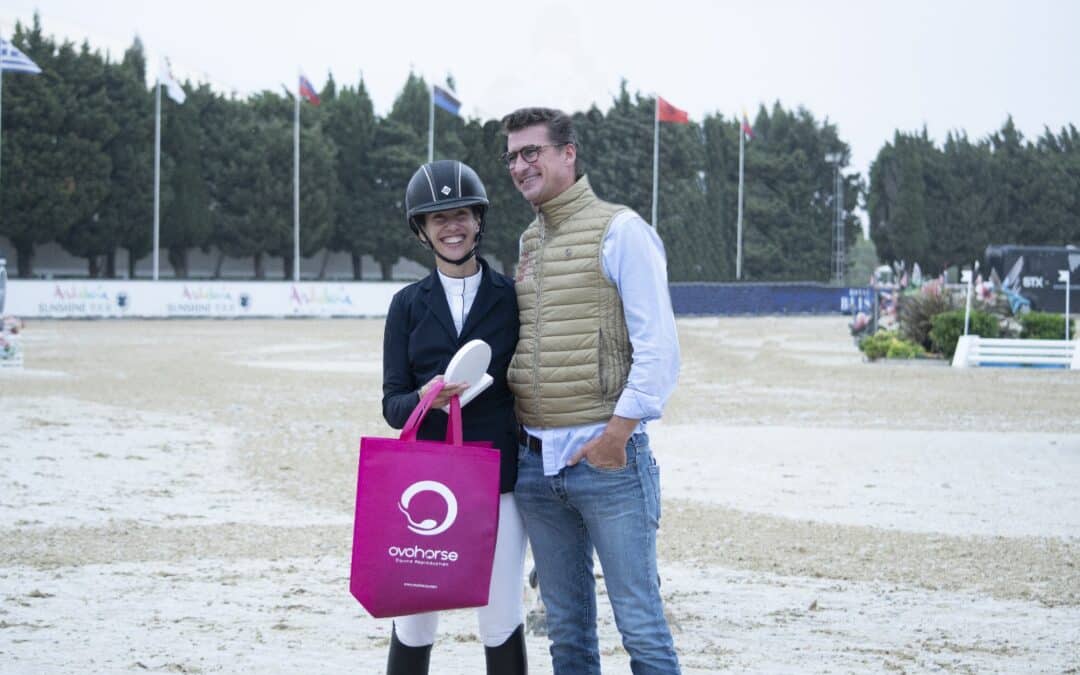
[{"x": 429, "y": 527}]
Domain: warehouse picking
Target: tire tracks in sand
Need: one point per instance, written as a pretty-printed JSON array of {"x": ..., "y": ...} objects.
[{"x": 1043, "y": 570}]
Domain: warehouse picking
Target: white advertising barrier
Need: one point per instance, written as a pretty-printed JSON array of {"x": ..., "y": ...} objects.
[{"x": 89, "y": 299}]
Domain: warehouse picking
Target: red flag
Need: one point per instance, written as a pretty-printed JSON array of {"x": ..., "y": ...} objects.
[
  {"x": 308, "y": 92},
  {"x": 665, "y": 112},
  {"x": 746, "y": 129}
]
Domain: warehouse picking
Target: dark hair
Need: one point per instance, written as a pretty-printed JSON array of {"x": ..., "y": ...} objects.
[{"x": 559, "y": 125}]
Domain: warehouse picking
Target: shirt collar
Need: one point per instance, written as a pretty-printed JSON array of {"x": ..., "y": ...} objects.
[{"x": 471, "y": 282}]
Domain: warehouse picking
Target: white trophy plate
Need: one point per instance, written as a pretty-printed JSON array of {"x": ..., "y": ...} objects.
[{"x": 470, "y": 365}]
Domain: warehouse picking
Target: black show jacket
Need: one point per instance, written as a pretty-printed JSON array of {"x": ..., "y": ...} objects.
[{"x": 418, "y": 343}]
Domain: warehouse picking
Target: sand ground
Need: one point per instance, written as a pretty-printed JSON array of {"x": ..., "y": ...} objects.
[{"x": 176, "y": 497}]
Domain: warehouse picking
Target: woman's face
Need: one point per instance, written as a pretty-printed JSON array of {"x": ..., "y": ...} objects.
[{"x": 452, "y": 233}]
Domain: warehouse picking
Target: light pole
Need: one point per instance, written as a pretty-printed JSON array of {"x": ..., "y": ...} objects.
[
  {"x": 968, "y": 277},
  {"x": 1063, "y": 275},
  {"x": 838, "y": 251}
]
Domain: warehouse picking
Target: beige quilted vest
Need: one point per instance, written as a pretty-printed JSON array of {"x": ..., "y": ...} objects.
[{"x": 573, "y": 354}]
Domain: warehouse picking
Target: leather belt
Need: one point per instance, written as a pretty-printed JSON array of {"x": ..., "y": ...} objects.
[{"x": 532, "y": 442}]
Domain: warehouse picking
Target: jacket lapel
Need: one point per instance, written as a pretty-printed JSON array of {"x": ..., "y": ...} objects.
[
  {"x": 486, "y": 300},
  {"x": 435, "y": 298}
]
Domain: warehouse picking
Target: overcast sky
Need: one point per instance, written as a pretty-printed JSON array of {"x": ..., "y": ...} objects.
[{"x": 870, "y": 67}]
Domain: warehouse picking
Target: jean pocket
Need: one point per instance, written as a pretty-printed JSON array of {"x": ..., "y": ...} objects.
[
  {"x": 631, "y": 454},
  {"x": 609, "y": 469}
]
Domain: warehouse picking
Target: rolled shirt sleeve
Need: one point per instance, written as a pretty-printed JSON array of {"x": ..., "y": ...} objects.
[{"x": 634, "y": 260}]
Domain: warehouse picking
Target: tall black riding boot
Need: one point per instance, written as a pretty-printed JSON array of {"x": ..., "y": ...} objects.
[
  {"x": 405, "y": 660},
  {"x": 509, "y": 658}
]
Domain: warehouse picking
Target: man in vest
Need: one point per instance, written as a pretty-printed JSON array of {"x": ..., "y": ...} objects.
[{"x": 597, "y": 358}]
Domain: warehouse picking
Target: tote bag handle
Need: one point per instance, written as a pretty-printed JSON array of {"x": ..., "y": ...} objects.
[{"x": 453, "y": 426}]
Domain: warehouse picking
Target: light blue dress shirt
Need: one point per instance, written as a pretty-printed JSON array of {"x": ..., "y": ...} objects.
[{"x": 633, "y": 259}]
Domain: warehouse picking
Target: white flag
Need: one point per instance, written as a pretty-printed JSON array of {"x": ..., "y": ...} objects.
[
  {"x": 14, "y": 60},
  {"x": 165, "y": 77}
]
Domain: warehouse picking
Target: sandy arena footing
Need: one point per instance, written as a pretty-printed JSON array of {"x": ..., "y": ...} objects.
[{"x": 177, "y": 497}]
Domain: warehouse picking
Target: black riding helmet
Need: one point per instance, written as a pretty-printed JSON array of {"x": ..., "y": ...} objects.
[{"x": 441, "y": 186}]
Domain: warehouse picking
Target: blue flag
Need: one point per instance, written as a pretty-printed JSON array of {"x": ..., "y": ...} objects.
[
  {"x": 14, "y": 60},
  {"x": 445, "y": 100}
]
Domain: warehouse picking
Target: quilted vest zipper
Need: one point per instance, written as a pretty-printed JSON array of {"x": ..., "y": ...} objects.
[{"x": 539, "y": 267}]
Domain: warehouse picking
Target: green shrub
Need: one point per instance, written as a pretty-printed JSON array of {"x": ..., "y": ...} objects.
[
  {"x": 904, "y": 349},
  {"x": 876, "y": 346},
  {"x": 1045, "y": 326},
  {"x": 886, "y": 344},
  {"x": 947, "y": 328},
  {"x": 915, "y": 310}
]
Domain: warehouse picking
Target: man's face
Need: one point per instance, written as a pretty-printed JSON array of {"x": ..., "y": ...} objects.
[{"x": 550, "y": 174}]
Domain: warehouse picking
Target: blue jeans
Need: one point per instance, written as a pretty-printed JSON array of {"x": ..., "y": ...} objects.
[{"x": 616, "y": 512}]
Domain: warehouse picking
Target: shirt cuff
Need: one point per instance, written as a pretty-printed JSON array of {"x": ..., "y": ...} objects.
[{"x": 638, "y": 405}]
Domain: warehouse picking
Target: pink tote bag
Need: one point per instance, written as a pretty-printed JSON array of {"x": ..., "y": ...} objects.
[{"x": 426, "y": 519}]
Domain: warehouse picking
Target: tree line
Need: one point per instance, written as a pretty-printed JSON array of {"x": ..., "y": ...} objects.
[
  {"x": 78, "y": 170},
  {"x": 942, "y": 206}
]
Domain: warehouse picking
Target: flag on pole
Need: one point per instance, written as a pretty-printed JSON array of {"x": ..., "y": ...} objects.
[
  {"x": 665, "y": 112},
  {"x": 746, "y": 128},
  {"x": 172, "y": 87},
  {"x": 14, "y": 60},
  {"x": 445, "y": 99},
  {"x": 308, "y": 92}
]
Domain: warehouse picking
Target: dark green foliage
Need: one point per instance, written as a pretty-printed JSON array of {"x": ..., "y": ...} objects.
[
  {"x": 185, "y": 203},
  {"x": 349, "y": 122},
  {"x": 262, "y": 208},
  {"x": 398, "y": 152},
  {"x": 77, "y": 170},
  {"x": 127, "y": 211},
  {"x": 92, "y": 130},
  {"x": 947, "y": 328},
  {"x": 789, "y": 197},
  {"x": 1045, "y": 326},
  {"x": 56, "y": 168},
  {"x": 943, "y": 206},
  {"x": 788, "y": 201},
  {"x": 237, "y": 176},
  {"x": 226, "y": 173}
]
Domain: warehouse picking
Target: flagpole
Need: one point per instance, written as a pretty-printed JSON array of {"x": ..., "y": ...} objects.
[
  {"x": 2, "y": 107},
  {"x": 655, "y": 160},
  {"x": 296, "y": 190},
  {"x": 738, "y": 219},
  {"x": 431, "y": 125},
  {"x": 157, "y": 173}
]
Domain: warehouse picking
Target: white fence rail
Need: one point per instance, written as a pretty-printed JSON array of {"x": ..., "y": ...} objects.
[{"x": 972, "y": 350}]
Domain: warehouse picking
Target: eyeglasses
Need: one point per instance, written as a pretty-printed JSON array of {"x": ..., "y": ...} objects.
[{"x": 530, "y": 153}]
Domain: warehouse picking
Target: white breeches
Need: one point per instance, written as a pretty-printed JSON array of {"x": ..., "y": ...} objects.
[{"x": 504, "y": 611}]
